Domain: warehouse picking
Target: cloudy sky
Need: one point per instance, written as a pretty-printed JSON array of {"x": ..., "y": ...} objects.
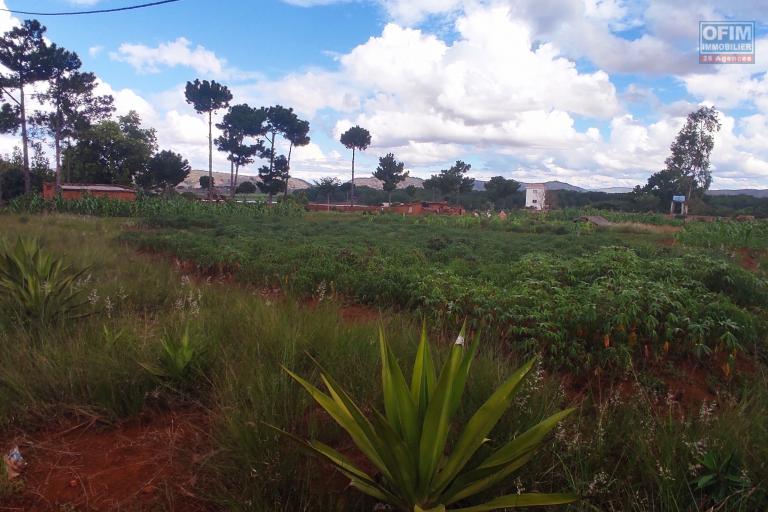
[{"x": 591, "y": 92}]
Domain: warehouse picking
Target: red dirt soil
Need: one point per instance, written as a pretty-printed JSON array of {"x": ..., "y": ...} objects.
[
  {"x": 747, "y": 260},
  {"x": 146, "y": 464}
]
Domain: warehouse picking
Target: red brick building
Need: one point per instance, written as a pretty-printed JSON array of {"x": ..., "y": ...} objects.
[{"x": 80, "y": 190}]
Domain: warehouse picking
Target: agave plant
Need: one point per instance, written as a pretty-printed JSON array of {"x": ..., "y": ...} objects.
[
  {"x": 407, "y": 444},
  {"x": 179, "y": 358},
  {"x": 39, "y": 288}
]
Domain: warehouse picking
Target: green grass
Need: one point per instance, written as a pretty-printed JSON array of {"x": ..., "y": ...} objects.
[{"x": 628, "y": 447}]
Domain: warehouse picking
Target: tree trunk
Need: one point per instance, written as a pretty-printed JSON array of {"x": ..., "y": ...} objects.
[
  {"x": 272, "y": 152},
  {"x": 328, "y": 197},
  {"x": 210, "y": 154},
  {"x": 390, "y": 198},
  {"x": 352, "y": 188},
  {"x": 290, "y": 150},
  {"x": 237, "y": 173},
  {"x": 232, "y": 179},
  {"x": 69, "y": 162},
  {"x": 57, "y": 147},
  {"x": 25, "y": 141}
]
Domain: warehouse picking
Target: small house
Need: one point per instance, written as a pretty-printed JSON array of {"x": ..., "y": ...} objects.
[
  {"x": 536, "y": 196},
  {"x": 79, "y": 190}
]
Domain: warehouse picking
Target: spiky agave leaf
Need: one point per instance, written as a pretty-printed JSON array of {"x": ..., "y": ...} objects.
[
  {"x": 39, "y": 288},
  {"x": 425, "y": 479}
]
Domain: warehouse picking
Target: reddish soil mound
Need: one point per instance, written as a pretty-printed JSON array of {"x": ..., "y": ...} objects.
[
  {"x": 146, "y": 464},
  {"x": 748, "y": 260}
]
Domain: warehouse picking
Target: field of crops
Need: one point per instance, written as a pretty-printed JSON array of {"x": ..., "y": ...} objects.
[
  {"x": 656, "y": 334},
  {"x": 584, "y": 298}
]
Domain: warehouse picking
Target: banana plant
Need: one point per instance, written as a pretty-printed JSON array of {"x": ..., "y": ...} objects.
[
  {"x": 407, "y": 443},
  {"x": 38, "y": 287}
]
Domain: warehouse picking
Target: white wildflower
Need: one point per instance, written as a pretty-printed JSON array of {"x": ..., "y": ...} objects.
[{"x": 108, "y": 306}]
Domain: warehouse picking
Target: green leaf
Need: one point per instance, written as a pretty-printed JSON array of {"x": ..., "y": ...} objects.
[
  {"x": 524, "y": 442},
  {"x": 437, "y": 419},
  {"x": 424, "y": 379},
  {"x": 345, "y": 420},
  {"x": 522, "y": 500},
  {"x": 479, "y": 426},
  {"x": 398, "y": 404},
  {"x": 479, "y": 480}
]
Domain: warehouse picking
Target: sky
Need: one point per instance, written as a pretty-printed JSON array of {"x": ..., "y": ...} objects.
[{"x": 590, "y": 92}]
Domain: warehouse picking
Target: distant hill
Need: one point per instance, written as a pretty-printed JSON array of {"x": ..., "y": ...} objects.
[
  {"x": 754, "y": 192},
  {"x": 374, "y": 183},
  {"x": 551, "y": 185},
  {"x": 612, "y": 190},
  {"x": 222, "y": 179}
]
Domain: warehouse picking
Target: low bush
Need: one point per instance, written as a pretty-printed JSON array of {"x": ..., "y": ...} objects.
[{"x": 39, "y": 289}]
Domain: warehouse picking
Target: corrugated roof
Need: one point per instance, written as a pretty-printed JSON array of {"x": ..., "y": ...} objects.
[{"x": 96, "y": 188}]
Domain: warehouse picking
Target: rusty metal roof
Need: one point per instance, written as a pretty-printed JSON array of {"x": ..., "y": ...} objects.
[{"x": 96, "y": 188}]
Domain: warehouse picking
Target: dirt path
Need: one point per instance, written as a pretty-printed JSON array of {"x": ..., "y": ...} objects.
[{"x": 150, "y": 463}]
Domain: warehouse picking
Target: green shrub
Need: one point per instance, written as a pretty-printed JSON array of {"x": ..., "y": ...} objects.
[
  {"x": 407, "y": 443},
  {"x": 38, "y": 288}
]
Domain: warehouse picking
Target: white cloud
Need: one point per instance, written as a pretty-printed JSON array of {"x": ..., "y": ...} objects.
[{"x": 181, "y": 52}]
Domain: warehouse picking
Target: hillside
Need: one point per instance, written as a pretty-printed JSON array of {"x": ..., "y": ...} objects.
[
  {"x": 222, "y": 179},
  {"x": 374, "y": 183}
]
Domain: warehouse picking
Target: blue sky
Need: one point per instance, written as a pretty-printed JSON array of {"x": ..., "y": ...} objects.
[{"x": 586, "y": 91}]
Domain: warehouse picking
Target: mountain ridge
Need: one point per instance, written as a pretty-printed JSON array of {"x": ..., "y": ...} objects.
[{"x": 222, "y": 179}]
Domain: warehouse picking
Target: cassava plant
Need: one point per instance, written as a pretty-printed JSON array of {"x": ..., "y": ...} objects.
[
  {"x": 407, "y": 444},
  {"x": 38, "y": 288}
]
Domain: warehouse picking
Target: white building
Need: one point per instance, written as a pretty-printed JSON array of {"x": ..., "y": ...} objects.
[{"x": 536, "y": 196}]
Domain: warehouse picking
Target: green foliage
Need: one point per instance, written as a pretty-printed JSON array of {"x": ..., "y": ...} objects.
[
  {"x": 499, "y": 187},
  {"x": 390, "y": 172},
  {"x": 407, "y": 444},
  {"x": 246, "y": 187},
  {"x": 453, "y": 180},
  {"x": 164, "y": 171},
  {"x": 111, "y": 152},
  {"x": 584, "y": 299},
  {"x": 725, "y": 235},
  {"x": 178, "y": 208},
  {"x": 180, "y": 360},
  {"x": 356, "y": 138},
  {"x": 687, "y": 168},
  {"x": 274, "y": 179},
  {"x": 240, "y": 123},
  {"x": 39, "y": 289},
  {"x": 12, "y": 172},
  {"x": 635, "y": 444},
  {"x": 327, "y": 186},
  {"x": 207, "y": 97},
  {"x": 722, "y": 478}
]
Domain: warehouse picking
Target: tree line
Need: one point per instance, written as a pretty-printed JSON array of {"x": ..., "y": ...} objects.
[
  {"x": 88, "y": 144},
  {"x": 248, "y": 133}
]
